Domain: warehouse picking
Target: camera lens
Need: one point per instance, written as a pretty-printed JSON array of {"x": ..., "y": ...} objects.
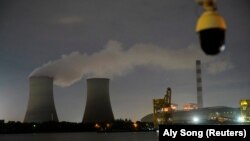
[{"x": 212, "y": 40}]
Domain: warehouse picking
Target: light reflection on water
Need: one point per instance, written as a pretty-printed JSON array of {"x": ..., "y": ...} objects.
[{"x": 125, "y": 136}]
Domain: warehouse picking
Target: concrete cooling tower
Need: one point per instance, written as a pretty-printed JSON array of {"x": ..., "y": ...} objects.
[
  {"x": 98, "y": 106},
  {"x": 41, "y": 107}
]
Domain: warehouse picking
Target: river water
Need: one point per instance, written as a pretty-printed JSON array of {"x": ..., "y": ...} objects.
[{"x": 85, "y": 136}]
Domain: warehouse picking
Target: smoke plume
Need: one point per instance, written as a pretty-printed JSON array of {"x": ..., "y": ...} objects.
[{"x": 114, "y": 60}]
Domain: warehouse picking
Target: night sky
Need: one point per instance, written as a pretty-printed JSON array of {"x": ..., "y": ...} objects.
[{"x": 143, "y": 46}]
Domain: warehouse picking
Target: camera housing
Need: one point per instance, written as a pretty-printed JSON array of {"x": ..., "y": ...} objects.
[
  {"x": 211, "y": 28},
  {"x": 212, "y": 40}
]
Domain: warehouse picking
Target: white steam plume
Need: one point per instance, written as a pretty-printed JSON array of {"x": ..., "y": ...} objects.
[{"x": 113, "y": 60}]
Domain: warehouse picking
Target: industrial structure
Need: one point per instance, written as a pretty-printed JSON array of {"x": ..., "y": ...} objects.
[
  {"x": 208, "y": 115},
  {"x": 98, "y": 107},
  {"x": 195, "y": 113},
  {"x": 199, "y": 84},
  {"x": 162, "y": 111},
  {"x": 245, "y": 109},
  {"x": 190, "y": 106},
  {"x": 41, "y": 107},
  {"x": 174, "y": 107}
]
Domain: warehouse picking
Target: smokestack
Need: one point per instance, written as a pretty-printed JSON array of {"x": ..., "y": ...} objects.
[
  {"x": 41, "y": 107},
  {"x": 98, "y": 106},
  {"x": 168, "y": 97},
  {"x": 199, "y": 84}
]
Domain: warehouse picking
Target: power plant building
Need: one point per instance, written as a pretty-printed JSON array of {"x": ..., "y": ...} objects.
[
  {"x": 245, "y": 109},
  {"x": 190, "y": 106},
  {"x": 162, "y": 109},
  {"x": 98, "y": 107},
  {"x": 41, "y": 107},
  {"x": 208, "y": 115}
]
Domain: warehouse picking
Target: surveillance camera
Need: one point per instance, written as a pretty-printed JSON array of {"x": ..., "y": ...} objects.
[{"x": 211, "y": 28}]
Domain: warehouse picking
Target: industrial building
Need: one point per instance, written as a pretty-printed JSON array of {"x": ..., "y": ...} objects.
[
  {"x": 190, "y": 106},
  {"x": 41, "y": 107},
  {"x": 194, "y": 112},
  {"x": 174, "y": 107},
  {"x": 98, "y": 107},
  {"x": 162, "y": 113},
  {"x": 245, "y": 110},
  {"x": 219, "y": 114}
]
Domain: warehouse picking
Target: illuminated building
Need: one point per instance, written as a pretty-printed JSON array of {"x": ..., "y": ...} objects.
[
  {"x": 208, "y": 115},
  {"x": 174, "y": 107},
  {"x": 245, "y": 109},
  {"x": 162, "y": 112},
  {"x": 190, "y": 106}
]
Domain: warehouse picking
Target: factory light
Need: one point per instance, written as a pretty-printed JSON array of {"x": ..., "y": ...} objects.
[
  {"x": 241, "y": 119},
  {"x": 97, "y": 126},
  {"x": 196, "y": 119},
  {"x": 108, "y": 125},
  {"x": 135, "y": 125},
  {"x": 165, "y": 109}
]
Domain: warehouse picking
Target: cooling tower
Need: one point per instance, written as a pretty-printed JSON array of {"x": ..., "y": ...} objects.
[
  {"x": 41, "y": 107},
  {"x": 98, "y": 107}
]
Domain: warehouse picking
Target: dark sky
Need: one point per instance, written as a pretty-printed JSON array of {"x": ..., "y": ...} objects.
[{"x": 144, "y": 46}]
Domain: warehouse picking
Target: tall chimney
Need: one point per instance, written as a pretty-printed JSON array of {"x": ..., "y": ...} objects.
[
  {"x": 199, "y": 84},
  {"x": 41, "y": 107},
  {"x": 98, "y": 107}
]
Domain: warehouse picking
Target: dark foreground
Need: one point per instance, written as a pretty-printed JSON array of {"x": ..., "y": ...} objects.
[
  {"x": 85, "y": 136},
  {"x": 57, "y": 127}
]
